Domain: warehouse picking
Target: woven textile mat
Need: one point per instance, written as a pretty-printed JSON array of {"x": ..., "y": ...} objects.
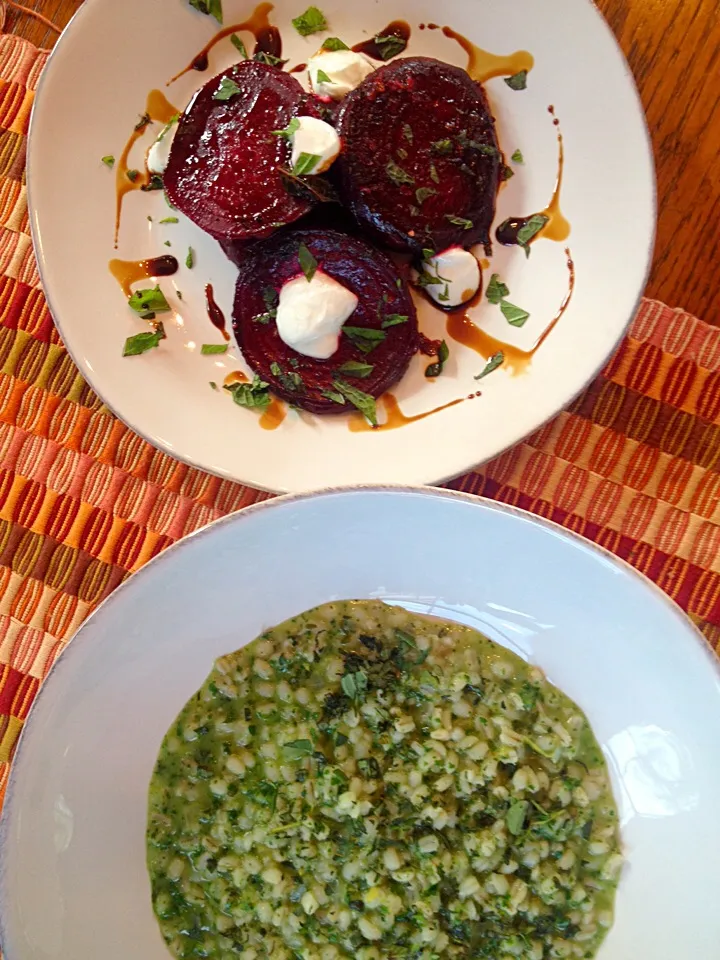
[{"x": 84, "y": 502}]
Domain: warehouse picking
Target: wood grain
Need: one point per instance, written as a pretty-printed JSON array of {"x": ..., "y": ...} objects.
[{"x": 673, "y": 47}]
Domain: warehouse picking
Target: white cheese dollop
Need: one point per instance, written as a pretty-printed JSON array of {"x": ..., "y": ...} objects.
[
  {"x": 458, "y": 273},
  {"x": 310, "y": 315},
  {"x": 159, "y": 152},
  {"x": 345, "y": 70},
  {"x": 317, "y": 138}
]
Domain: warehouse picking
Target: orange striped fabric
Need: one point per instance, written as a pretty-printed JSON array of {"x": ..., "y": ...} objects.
[{"x": 634, "y": 464}]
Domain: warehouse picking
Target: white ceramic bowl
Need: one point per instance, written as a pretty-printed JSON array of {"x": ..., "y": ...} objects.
[
  {"x": 89, "y": 98},
  {"x": 73, "y": 884}
]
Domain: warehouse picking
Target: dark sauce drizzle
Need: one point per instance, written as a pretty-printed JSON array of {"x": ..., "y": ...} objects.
[{"x": 217, "y": 317}]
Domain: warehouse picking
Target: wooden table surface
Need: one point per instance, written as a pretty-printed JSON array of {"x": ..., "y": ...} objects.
[{"x": 673, "y": 47}]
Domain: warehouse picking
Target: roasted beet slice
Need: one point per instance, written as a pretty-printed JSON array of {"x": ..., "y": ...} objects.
[
  {"x": 383, "y": 297},
  {"x": 420, "y": 161},
  {"x": 223, "y": 169}
]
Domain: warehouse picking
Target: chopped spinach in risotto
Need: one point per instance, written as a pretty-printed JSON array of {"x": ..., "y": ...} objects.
[{"x": 365, "y": 782}]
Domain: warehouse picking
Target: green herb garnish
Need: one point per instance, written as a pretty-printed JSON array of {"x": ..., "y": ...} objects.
[
  {"x": 402, "y": 153},
  {"x": 389, "y": 46},
  {"x": 146, "y": 303},
  {"x": 393, "y": 319},
  {"x": 334, "y": 396},
  {"x": 306, "y": 164},
  {"x": 422, "y": 193},
  {"x": 254, "y": 396},
  {"x": 271, "y": 300},
  {"x": 291, "y": 381},
  {"x": 515, "y": 316},
  {"x": 236, "y": 41},
  {"x": 312, "y": 21},
  {"x": 190, "y": 258},
  {"x": 435, "y": 369},
  {"x": 109, "y": 161},
  {"x": 289, "y": 130},
  {"x": 459, "y": 221},
  {"x": 211, "y": 7},
  {"x": 322, "y": 77},
  {"x": 269, "y": 58},
  {"x": 434, "y": 175},
  {"x": 517, "y": 157},
  {"x": 362, "y": 401},
  {"x": 227, "y": 89},
  {"x": 443, "y": 146},
  {"x": 518, "y": 81},
  {"x": 507, "y": 172},
  {"x": 354, "y": 685},
  {"x": 297, "y": 750},
  {"x": 408, "y": 133},
  {"x": 333, "y": 43},
  {"x": 210, "y": 348},
  {"x": 169, "y": 220},
  {"x": 132, "y": 175},
  {"x": 142, "y": 342},
  {"x": 355, "y": 368},
  {"x": 493, "y": 363},
  {"x": 496, "y": 289},
  {"x": 364, "y": 338},
  {"x": 398, "y": 175},
  {"x": 515, "y": 817},
  {"x": 308, "y": 263},
  {"x": 530, "y": 229}
]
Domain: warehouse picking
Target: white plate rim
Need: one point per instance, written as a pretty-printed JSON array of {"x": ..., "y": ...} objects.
[{"x": 430, "y": 478}]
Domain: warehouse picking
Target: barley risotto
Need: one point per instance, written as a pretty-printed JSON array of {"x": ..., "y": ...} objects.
[{"x": 362, "y": 781}]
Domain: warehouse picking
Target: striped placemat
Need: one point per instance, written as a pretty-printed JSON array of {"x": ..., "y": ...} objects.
[{"x": 84, "y": 502}]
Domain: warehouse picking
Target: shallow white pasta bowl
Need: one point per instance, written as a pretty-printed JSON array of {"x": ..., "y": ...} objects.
[
  {"x": 72, "y": 877},
  {"x": 95, "y": 86}
]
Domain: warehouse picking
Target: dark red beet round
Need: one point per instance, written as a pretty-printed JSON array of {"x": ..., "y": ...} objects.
[
  {"x": 223, "y": 167},
  {"x": 367, "y": 272},
  {"x": 420, "y": 161}
]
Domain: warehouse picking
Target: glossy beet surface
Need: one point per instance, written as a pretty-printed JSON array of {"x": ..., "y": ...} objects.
[
  {"x": 419, "y": 152},
  {"x": 223, "y": 169},
  {"x": 368, "y": 273}
]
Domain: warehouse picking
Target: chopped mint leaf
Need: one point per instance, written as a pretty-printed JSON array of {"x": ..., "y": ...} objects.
[
  {"x": 308, "y": 263},
  {"x": 132, "y": 175},
  {"x": 402, "y": 153},
  {"x": 333, "y": 43},
  {"x": 355, "y": 368},
  {"x": 362, "y": 401},
  {"x": 493, "y": 363},
  {"x": 435, "y": 369},
  {"x": 515, "y": 316},
  {"x": 297, "y": 750},
  {"x": 408, "y": 133},
  {"x": 142, "y": 342},
  {"x": 354, "y": 685},
  {"x": 227, "y": 89},
  {"x": 169, "y": 220},
  {"x": 322, "y": 77},
  {"x": 390, "y": 46},
  {"x": 496, "y": 289},
  {"x": 517, "y": 157},
  {"x": 109, "y": 161},
  {"x": 518, "y": 81},
  {"x": 289, "y": 130},
  {"x": 312, "y": 21},
  {"x": 306, "y": 164},
  {"x": 422, "y": 193},
  {"x": 213, "y": 384},
  {"x": 434, "y": 175},
  {"x": 364, "y": 338},
  {"x": 254, "y": 396},
  {"x": 334, "y": 396},
  {"x": 167, "y": 243},
  {"x": 398, "y": 175},
  {"x": 507, "y": 172},
  {"x": 393, "y": 319},
  {"x": 146, "y": 303},
  {"x": 291, "y": 381},
  {"x": 211, "y": 7},
  {"x": 443, "y": 146},
  {"x": 271, "y": 299},
  {"x": 208, "y": 349},
  {"x": 190, "y": 258},
  {"x": 269, "y": 58},
  {"x": 459, "y": 221},
  {"x": 532, "y": 226},
  {"x": 445, "y": 295},
  {"x": 144, "y": 121},
  {"x": 239, "y": 46}
]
